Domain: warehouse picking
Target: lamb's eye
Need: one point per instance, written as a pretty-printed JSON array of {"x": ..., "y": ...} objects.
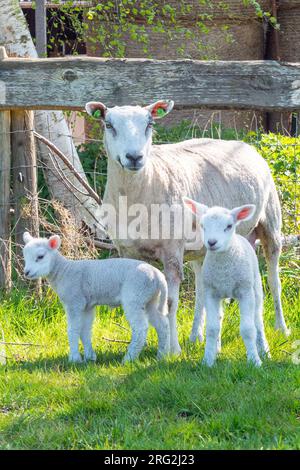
[
  {"x": 108, "y": 125},
  {"x": 229, "y": 227},
  {"x": 40, "y": 257}
]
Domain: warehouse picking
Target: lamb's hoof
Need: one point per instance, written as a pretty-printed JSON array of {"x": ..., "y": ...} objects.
[
  {"x": 126, "y": 359},
  {"x": 208, "y": 362},
  {"x": 175, "y": 350},
  {"x": 284, "y": 329},
  {"x": 194, "y": 337},
  {"x": 255, "y": 362},
  {"x": 75, "y": 358},
  {"x": 90, "y": 356}
]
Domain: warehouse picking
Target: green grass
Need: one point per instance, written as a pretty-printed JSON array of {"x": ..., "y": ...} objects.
[{"x": 46, "y": 403}]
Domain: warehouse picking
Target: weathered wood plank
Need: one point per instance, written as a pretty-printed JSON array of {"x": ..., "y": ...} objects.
[
  {"x": 68, "y": 83},
  {"x": 24, "y": 176},
  {"x": 5, "y": 164}
]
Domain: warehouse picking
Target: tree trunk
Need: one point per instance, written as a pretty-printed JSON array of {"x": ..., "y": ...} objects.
[{"x": 15, "y": 36}]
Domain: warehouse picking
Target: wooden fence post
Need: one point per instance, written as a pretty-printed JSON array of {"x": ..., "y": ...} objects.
[
  {"x": 5, "y": 165},
  {"x": 24, "y": 171}
]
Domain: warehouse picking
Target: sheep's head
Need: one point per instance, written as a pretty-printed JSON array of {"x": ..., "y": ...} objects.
[
  {"x": 128, "y": 130},
  {"x": 38, "y": 255},
  {"x": 218, "y": 224}
]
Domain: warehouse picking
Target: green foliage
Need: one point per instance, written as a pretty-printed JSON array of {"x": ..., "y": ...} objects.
[
  {"x": 108, "y": 25},
  {"x": 283, "y": 156}
]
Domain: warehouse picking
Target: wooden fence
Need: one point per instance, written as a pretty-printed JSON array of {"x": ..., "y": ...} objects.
[{"x": 68, "y": 83}]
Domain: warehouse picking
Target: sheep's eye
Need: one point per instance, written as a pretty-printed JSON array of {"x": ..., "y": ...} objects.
[
  {"x": 40, "y": 257},
  {"x": 108, "y": 125},
  {"x": 149, "y": 125},
  {"x": 229, "y": 227}
]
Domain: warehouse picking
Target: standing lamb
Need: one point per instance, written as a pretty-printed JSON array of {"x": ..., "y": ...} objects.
[
  {"x": 82, "y": 284},
  {"x": 230, "y": 270},
  {"x": 215, "y": 172}
]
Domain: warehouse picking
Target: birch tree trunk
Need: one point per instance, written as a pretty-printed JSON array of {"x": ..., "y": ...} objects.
[{"x": 15, "y": 36}]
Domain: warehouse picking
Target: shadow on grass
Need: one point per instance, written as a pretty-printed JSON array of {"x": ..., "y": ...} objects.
[{"x": 154, "y": 404}]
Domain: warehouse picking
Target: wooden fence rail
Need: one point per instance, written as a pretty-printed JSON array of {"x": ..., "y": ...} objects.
[{"x": 68, "y": 83}]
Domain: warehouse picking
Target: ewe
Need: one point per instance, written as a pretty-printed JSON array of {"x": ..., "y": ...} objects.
[
  {"x": 81, "y": 285},
  {"x": 215, "y": 172},
  {"x": 230, "y": 270}
]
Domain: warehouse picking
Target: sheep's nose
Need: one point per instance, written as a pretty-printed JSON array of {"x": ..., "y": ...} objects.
[
  {"x": 212, "y": 242},
  {"x": 134, "y": 158},
  {"x": 27, "y": 272}
]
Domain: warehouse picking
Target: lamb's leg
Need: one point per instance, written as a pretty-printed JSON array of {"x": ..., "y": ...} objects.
[
  {"x": 213, "y": 327},
  {"x": 138, "y": 321},
  {"x": 247, "y": 326},
  {"x": 161, "y": 324},
  {"x": 74, "y": 317},
  {"x": 261, "y": 340},
  {"x": 86, "y": 334},
  {"x": 199, "y": 315}
]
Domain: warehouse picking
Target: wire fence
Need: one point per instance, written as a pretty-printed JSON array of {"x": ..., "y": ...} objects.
[{"x": 281, "y": 152}]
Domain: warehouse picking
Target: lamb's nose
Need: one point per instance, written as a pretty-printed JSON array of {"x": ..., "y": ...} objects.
[
  {"x": 134, "y": 158},
  {"x": 212, "y": 242},
  {"x": 27, "y": 271}
]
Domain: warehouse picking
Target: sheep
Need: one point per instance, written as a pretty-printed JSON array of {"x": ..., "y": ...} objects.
[
  {"x": 230, "y": 270},
  {"x": 82, "y": 284},
  {"x": 216, "y": 172}
]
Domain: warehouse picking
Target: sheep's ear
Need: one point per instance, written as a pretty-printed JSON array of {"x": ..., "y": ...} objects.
[
  {"x": 243, "y": 213},
  {"x": 160, "y": 108},
  {"x": 194, "y": 206},
  {"x": 96, "y": 109},
  {"x": 27, "y": 237},
  {"x": 54, "y": 242}
]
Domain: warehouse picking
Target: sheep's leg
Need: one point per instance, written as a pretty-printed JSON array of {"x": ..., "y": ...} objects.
[
  {"x": 173, "y": 298},
  {"x": 74, "y": 317},
  {"x": 213, "y": 327},
  {"x": 271, "y": 242},
  {"x": 247, "y": 326},
  {"x": 161, "y": 324},
  {"x": 199, "y": 315},
  {"x": 261, "y": 340},
  {"x": 86, "y": 334},
  {"x": 174, "y": 274},
  {"x": 138, "y": 321}
]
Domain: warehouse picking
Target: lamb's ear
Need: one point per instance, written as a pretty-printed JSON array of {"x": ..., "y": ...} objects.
[
  {"x": 96, "y": 109},
  {"x": 243, "y": 213},
  {"x": 160, "y": 108},
  {"x": 27, "y": 237},
  {"x": 54, "y": 242},
  {"x": 195, "y": 207}
]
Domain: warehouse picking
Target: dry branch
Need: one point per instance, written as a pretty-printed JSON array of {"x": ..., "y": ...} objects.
[{"x": 66, "y": 161}]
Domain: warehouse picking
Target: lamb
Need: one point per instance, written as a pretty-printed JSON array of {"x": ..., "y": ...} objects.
[
  {"x": 82, "y": 284},
  {"x": 230, "y": 270},
  {"x": 215, "y": 172}
]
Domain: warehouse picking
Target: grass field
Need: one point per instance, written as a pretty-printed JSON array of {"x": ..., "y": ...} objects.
[{"x": 46, "y": 403}]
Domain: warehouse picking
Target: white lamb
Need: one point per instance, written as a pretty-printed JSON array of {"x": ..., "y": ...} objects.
[
  {"x": 230, "y": 270},
  {"x": 82, "y": 284}
]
